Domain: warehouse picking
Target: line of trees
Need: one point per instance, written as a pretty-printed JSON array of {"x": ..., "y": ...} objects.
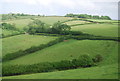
[
  {"x": 82, "y": 61},
  {"x": 38, "y": 26},
  {"x": 16, "y": 15},
  {"x": 88, "y": 16}
]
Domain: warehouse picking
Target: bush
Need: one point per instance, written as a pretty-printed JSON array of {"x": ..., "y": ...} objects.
[
  {"x": 98, "y": 58},
  {"x": 83, "y": 61},
  {"x": 63, "y": 65}
]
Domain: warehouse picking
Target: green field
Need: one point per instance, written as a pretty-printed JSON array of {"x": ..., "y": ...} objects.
[
  {"x": 100, "y": 20},
  {"x": 52, "y": 20},
  {"x": 102, "y": 72},
  {"x": 21, "y": 23},
  {"x": 22, "y": 42},
  {"x": 70, "y": 50},
  {"x": 66, "y": 50},
  {"x": 98, "y": 29},
  {"x": 107, "y": 69},
  {"x": 9, "y": 32},
  {"x": 76, "y": 22}
]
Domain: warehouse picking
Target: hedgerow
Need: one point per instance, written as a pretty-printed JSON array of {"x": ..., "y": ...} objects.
[
  {"x": 32, "y": 49},
  {"x": 82, "y": 61}
]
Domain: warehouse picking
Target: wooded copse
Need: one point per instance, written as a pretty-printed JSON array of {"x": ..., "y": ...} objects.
[
  {"x": 87, "y": 16},
  {"x": 38, "y": 26}
]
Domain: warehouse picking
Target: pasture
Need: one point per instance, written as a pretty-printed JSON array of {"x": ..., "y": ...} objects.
[
  {"x": 76, "y": 22},
  {"x": 68, "y": 50},
  {"x": 107, "y": 21},
  {"x": 9, "y": 32},
  {"x": 22, "y": 42},
  {"x": 107, "y": 69},
  {"x": 98, "y": 29},
  {"x": 103, "y": 72},
  {"x": 21, "y": 23}
]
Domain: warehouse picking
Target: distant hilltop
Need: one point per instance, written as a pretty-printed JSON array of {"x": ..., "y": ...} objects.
[
  {"x": 88, "y": 16},
  {"x": 10, "y": 16}
]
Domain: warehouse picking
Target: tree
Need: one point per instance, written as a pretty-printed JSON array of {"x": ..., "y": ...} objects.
[
  {"x": 60, "y": 28},
  {"x": 96, "y": 17},
  {"x": 36, "y": 27},
  {"x": 105, "y": 17},
  {"x": 8, "y": 26},
  {"x": 69, "y": 15},
  {"x": 87, "y": 16},
  {"x": 83, "y": 61}
]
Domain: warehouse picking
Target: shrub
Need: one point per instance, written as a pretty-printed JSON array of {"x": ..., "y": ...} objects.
[
  {"x": 63, "y": 65},
  {"x": 83, "y": 61},
  {"x": 98, "y": 58}
]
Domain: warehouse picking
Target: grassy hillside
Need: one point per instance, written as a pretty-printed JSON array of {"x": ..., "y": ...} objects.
[
  {"x": 76, "y": 22},
  {"x": 108, "y": 69},
  {"x": 98, "y": 29},
  {"x": 103, "y": 72},
  {"x": 100, "y": 20},
  {"x": 22, "y": 42},
  {"x": 52, "y": 20},
  {"x": 68, "y": 50},
  {"x": 9, "y": 32},
  {"x": 20, "y": 23}
]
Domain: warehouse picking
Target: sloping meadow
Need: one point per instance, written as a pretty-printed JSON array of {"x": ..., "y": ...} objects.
[
  {"x": 22, "y": 42},
  {"x": 73, "y": 49}
]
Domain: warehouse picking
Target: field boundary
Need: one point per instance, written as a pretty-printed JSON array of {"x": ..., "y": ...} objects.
[
  {"x": 83, "y": 61},
  {"x": 33, "y": 49}
]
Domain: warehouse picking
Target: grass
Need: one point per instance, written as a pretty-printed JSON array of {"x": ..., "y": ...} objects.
[
  {"x": 21, "y": 23},
  {"x": 76, "y": 22},
  {"x": 9, "y": 32},
  {"x": 100, "y": 20},
  {"x": 52, "y": 20},
  {"x": 107, "y": 69},
  {"x": 98, "y": 29},
  {"x": 22, "y": 42},
  {"x": 66, "y": 51},
  {"x": 103, "y": 72}
]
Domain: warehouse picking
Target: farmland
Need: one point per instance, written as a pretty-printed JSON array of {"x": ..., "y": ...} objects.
[
  {"x": 98, "y": 29},
  {"x": 70, "y": 49},
  {"x": 63, "y": 49},
  {"x": 21, "y": 23},
  {"x": 9, "y": 32},
  {"x": 22, "y": 42},
  {"x": 104, "y": 72},
  {"x": 98, "y": 20},
  {"x": 76, "y": 22}
]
